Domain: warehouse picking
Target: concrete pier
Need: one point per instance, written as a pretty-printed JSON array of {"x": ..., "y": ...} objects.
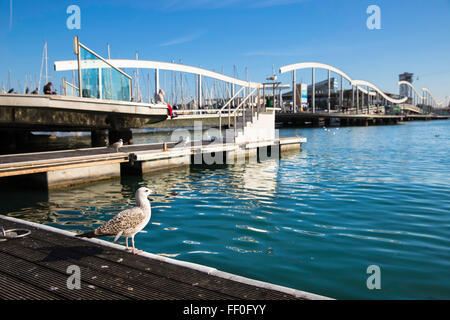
[
  {"x": 58, "y": 169},
  {"x": 63, "y": 113},
  {"x": 325, "y": 119}
]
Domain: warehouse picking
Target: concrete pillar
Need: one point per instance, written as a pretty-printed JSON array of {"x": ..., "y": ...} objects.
[
  {"x": 156, "y": 81},
  {"x": 232, "y": 93},
  {"x": 294, "y": 92},
  {"x": 125, "y": 134},
  {"x": 313, "y": 90},
  {"x": 15, "y": 140},
  {"x": 8, "y": 141},
  {"x": 99, "y": 138},
  {"x": 353, "y": 96},
  {"x": 329, "y": 92},
  {"x": 357, "y": 99},
  {"x": 199, "y": 91}
]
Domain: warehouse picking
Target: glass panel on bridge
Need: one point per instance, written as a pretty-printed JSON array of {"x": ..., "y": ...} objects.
[{"x": 100, "y": 80}]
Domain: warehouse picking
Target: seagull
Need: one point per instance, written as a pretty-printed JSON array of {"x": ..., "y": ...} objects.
[
  {"x": 117, "y": 145},
  {"x": 185, "y": 140},
  {"x": 208, "y": 138},
  {"x": 127, "y": 222}
]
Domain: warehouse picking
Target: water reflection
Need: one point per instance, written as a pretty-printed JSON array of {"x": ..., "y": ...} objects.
[{"x": 313, "y": 220}]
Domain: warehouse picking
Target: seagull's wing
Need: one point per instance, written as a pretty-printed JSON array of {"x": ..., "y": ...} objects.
[
  {"x": 125, "y": 220},
  {"x": 116, "y": 145}
]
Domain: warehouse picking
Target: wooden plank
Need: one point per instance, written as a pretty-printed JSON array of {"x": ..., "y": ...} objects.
[
  {"x": 107, "y": 274},
  {"x": 51, "y": 252},
  {"x": 169, "y": 271},
  {"x": 59, "y": 167},
  {"x": 58, "y": 258},
  {"x": 35, "y": 163},
  {"x": 49, "y": 280},
  {"x": 14, "y": 289}
]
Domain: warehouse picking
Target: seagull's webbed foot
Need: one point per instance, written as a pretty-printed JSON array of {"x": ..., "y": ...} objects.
[{"x": 135, "y": 251}]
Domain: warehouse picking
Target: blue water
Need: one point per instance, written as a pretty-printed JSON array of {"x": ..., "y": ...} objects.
[{"x": 314, "y": 220}]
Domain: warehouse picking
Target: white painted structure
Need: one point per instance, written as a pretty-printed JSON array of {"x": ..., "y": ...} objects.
[
  {"x": 409, "y": 84},
  {"x": 371, "y": 85},
  {"x": 425, "y": 90},
  {"x": 157, "y": 65},
  {"x": 357, "y": 83},
  {"x": 261, "y": 129}
]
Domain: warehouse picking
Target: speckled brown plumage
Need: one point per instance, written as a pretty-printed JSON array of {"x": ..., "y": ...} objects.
[{"x": 126, "y": 223}]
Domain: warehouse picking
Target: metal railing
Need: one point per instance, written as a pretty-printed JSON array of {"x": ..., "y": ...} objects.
[
  {"x": 228, "y": 104},
  {"x": 244, "y": 119},
  {"x": 66, "y": 83}
]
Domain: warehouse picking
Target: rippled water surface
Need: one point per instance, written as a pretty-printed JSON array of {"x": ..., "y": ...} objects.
[{"x": 314, "y": 220}]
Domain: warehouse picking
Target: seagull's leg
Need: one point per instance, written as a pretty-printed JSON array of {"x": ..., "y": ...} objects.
[
  {"x": 135, "y": 251},
  {"x": 128, "y": 248}
]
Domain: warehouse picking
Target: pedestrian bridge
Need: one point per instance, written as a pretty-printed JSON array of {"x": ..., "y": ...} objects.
[
  {"x": 65, "y": 113},
  {"x": 363, "y": 91}
]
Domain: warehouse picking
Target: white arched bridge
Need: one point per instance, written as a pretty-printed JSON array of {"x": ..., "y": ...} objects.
[
  {"x": 358, "y": 86},
  {"x": 212, "y": 90},
  {"x": 204, "y": 89},
  {"x": 362, "y": 90}
]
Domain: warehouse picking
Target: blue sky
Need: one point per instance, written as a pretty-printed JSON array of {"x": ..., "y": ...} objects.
[{"x": 414, "y": 36}]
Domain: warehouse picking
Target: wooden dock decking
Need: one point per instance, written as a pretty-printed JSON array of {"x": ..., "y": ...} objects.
[{"x": 35, "y": 267}]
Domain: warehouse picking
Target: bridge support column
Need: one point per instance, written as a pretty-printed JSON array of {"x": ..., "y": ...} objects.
[
  {"x": 313, "y": 91},
  {"x": 329, "y": 92},
  {"x": 99, "y": 138},
  {"x": 199, "y": 92},
  {"x": 315, "y": 122},
  {"x": 9, "y": 140},
  {"x": 156, "y": 81},
  {"x": 294, "y": 92},
  {"x": 125, "y": 134},
  {"x": 344, "y": 122},
  {"x": 14, "y": 140}
]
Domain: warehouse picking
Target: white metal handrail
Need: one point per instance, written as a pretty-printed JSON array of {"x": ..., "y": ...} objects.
[
  {"x": 228, "y": 104},
  {"x": 243, "y": 112}
]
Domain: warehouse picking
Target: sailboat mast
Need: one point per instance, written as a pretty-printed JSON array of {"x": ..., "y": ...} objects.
[
  {"x": 172, "y": 93},
  {"x": 181, "y": 84},
  {"x": 148, "y": 84},
  {"x": 46, "y": 63},
  {"x": 9, "y": 79}
]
